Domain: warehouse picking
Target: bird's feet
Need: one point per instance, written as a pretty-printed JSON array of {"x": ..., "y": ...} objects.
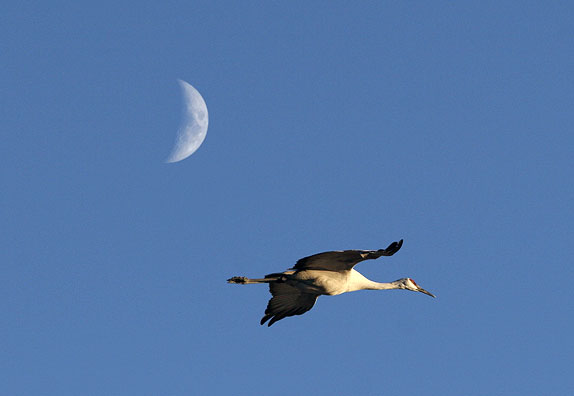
[{"x": 237, "y": 279}]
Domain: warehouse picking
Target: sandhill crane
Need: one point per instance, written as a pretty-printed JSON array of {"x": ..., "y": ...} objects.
[{"x": 330, "y": 273}]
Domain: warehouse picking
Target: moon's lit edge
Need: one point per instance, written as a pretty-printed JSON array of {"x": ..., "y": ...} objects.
[{"x": 191, "y": 133}]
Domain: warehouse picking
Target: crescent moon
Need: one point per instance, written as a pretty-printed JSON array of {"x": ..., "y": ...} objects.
[{"x": 193, "y": 126}]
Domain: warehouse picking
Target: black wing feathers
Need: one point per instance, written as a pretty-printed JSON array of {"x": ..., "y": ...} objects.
[
  {"x": 344, "y": 260},
  {"x": 287, "y": 301}
]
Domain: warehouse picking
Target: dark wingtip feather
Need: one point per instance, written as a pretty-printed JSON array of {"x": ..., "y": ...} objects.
[
  {"x": 393, "y": 248},
  {"x": 275, "y": 319}
]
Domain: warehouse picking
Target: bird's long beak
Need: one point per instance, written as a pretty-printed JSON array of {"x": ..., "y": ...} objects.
[{"x": 426, "y": 292}]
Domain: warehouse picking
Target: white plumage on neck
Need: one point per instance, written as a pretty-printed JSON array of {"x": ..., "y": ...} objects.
[{"x": 358, "y": 282}]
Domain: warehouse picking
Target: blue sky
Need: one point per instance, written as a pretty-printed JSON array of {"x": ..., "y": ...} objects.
[{"x": 333, "y": 125}]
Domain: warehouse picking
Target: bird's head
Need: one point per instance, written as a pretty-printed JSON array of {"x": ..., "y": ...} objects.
[{"x": 409, "y": 284}]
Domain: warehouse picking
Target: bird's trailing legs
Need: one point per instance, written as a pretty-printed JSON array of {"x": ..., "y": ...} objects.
[{"x": 242, "y": 280}]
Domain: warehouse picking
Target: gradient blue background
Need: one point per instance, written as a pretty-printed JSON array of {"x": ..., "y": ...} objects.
[{"x": 333, "y": 125}]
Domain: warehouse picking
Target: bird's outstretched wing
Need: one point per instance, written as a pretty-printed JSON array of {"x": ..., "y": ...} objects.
[
  {"x": 344, "y": 260},
  {"x": 287, "y": 301}
]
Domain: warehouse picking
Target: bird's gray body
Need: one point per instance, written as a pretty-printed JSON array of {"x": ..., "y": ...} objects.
[
  {"x": 319, "y": 282},
  {"x": 323, "y": 282}
]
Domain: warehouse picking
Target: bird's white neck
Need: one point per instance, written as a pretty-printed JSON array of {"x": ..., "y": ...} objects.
[{"x": 359, "y": 282}]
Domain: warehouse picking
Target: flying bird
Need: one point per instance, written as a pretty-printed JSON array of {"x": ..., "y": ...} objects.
[{"x": 329, "y": 273}]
